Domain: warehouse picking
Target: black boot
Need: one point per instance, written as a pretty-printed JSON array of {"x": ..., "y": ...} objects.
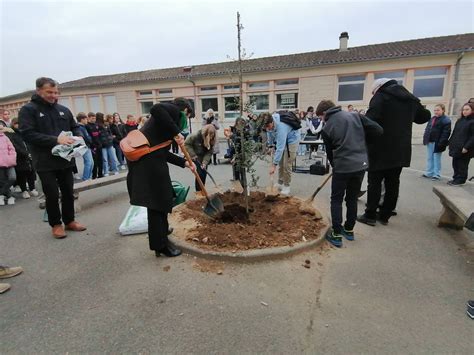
[{"x": 169, "y": 251}]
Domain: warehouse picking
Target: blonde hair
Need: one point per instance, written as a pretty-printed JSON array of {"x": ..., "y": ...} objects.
[
  {"x": 209, "y": 135},
  {"x": 441, "y": 106}
]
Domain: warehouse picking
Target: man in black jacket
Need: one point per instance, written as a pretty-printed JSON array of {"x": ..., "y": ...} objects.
[
  {"x": 41, "y": 122},
  {"x": 96, "y": 145},
  {"x": 344, "y": 135},
  {"x": 395, "y": 109}
]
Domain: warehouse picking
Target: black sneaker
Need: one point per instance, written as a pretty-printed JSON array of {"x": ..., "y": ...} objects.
[
  {"x": 426, "y": 176},
  {"x": 369, "y": 221},
  {"x": 334, "y": 238},
  {"x": 470, "y": 311},
  {"x": 349, "y": 235},
  {"x": 383, "y": 221},
  {"x": 470, "y": 304},
  {"x": 456, "y": 183}
]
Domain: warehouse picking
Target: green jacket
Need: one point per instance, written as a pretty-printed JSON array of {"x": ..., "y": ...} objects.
[{"x": 195, "y": 145}]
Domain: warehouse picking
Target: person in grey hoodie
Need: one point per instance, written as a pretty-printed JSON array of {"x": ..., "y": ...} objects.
[{"x": 344, "y": 135}]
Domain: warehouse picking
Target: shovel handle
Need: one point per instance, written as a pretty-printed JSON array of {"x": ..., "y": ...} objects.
[
  {"x": 198, "y": 178},
  {"x": 320, "y": 187}
]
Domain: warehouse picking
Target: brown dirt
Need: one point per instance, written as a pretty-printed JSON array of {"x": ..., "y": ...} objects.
[{"x": 268, "y": 224}]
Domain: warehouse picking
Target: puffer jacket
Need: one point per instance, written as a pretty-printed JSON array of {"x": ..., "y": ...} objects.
[
  {"x": 439, "y": 133},
  {"x": 7, "y": 152},
  {"x": 462, "y": 137}
]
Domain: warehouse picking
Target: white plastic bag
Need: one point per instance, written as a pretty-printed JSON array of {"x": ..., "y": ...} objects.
[{"x": 135, "y": 221}]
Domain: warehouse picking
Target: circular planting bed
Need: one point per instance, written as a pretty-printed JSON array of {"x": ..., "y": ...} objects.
[{"x": 273, "y": 227}]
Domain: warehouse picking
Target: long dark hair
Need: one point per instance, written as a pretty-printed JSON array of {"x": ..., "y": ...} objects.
[
  {"x": 471, "y": 105},
  {"x": 99, "y": 116}
]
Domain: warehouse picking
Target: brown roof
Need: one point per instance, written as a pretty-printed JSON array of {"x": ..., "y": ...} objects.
[{"x": 392, "y": 50}]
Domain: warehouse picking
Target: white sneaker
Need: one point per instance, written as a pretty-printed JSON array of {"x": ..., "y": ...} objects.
[
  {"x": 279, "y": 186},
  {"x": 105, "y": 175},
  {"x": 115, "y": 173},
  {"x": 285, "y": 190},
  {"x": 25, "y": 195},
  {"x": 17, "y": 189},
  {"x": 123, "y": 167},
  {"x": 2, "y": 200},
  {"x": 34, "y": 193},
  {"x": 11, "y": 201}
]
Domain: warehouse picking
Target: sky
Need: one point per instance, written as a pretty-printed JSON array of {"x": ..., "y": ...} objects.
[{"x": 73, "y": 39}]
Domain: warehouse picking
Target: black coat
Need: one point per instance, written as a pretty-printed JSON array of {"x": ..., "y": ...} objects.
[
  {"x": 148, "y": 180},
  {"x": 462, "y": 137},
  {"x": 118, "y": 132},
  {"x": 439, "y": 133},
  {"x": 127, "y": 128},
  {"x": 23, "y": 157},
  {"x": 106, "y": 138},
  {"x": 94, "y": 132},
  {"x": 395, "y": 109},
  {"x": 40, "y": 125}
]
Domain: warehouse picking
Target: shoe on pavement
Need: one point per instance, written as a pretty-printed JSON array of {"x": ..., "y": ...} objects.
[
  {"x": 75, "y": 226},
  {"x": 4, "y": 287},
  {"x": 369, "y": 221},
  {"x": 349, "y": 235},
  {"x": 455, "y": 183},
  {"x": 285, "y": 190},
  {"x": 116, "y": 172},
  {"x": 383, "y": 221},
  {"x": 334, "y": 238},
  {"x": 470, "y": 311},
  {"x": 11, "y": 201},
  {"x": 436, "y": 178},
  {"x": 58, "y": 231},
  {"x": 470, "y": 304},
  {"x": 25, "y": 195},
  {"x": 7, "y": 272},
  {"x": 123, "y": 167},
  {"x": 17, "y": 189},
  {"x": 279, "y": 187},
  {"x": 2, "y": 200},
  {"x": 169, "y": 251},
  {"x": 34, "y": 193},
  {"x": 426, "y": 176}
]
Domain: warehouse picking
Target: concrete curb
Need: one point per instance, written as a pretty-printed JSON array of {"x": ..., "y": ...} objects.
[{"x": 252, "y": 255}]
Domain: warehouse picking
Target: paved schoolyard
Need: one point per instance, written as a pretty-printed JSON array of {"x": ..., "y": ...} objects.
[{"x": 396, "y": 289}]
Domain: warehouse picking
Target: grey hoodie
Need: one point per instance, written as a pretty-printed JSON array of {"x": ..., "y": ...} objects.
[{"x": 345, "y": 136}]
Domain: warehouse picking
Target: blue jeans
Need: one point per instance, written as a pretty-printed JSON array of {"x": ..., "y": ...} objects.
[
  {"x": 302, "y": 147},
  {"x": 109, "y": 157},
  {"x": 88, "y": 165},
  {"x": 433, "y": 161}
]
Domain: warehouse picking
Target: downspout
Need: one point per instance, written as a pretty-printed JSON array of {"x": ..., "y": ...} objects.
[
  {"x": 455, "y": 82},
  {"x": 195, "y": 103}
]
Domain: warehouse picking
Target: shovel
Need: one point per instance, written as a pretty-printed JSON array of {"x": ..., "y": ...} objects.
[
  {"x": 214, "y": 204},
  {"x": 307, "y": 206},
  {"x": 271, "y": 194}
]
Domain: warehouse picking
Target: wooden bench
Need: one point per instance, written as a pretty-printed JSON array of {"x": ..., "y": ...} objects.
[
  {"x": 458, "y": 206},
  {"x": 96, "y": 183}
]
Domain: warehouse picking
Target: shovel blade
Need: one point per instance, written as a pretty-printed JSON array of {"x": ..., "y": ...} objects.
[{"x": 214, "y": 206}]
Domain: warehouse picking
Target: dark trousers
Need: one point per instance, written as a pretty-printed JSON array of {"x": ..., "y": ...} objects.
[
  {"x": 157, "y": 229},
  {"x": 25, "y": 176},
  {"x": 51, "y": 181},
  {"x": 202, "y": 174},
  {"x": 460, "y": 167},
  {"x": 7, "y": 179},
  {"x": 97, "y": 156},
  {"x": 174, "y": 147},
  {"x": 347, "y": 184},
  {"x": 119, "y": 153},
  {"x": 391, "y": 180}
]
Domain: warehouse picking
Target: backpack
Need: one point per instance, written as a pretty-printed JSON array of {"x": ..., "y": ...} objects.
[
  {"x": 290, "y": 119},
  {"x": 135, "y": 145}
]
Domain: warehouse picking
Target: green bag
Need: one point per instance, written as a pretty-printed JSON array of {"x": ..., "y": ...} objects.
[{"x": 180, "y": 192}]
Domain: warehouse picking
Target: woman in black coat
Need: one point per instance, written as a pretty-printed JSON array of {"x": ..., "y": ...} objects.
[
  {"x": 461, "y": 145},
  {"x": 148, "y": 180}
]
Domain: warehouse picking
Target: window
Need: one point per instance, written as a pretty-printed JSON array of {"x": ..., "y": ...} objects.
[
  {"x": 287, "y": 101},
  {"x": 232, "y": 87},
  {"x": 145, "y": 93},
  {"x": 146, "y": 106},
  {"x": 429, "y": 82},
  {"x": 62, "y": 101},
  {"x": 208, "y": 103},
  {"x": 286, "y": 82},
  {"x": 165, "y": 92},
  {"x": 351, "y": 87},
  {"x": 208, "y": 88},
  {"x": 259, "y": 85},
  {"x": 80, "y": 104},
  {"x": 110, "y": 103},
  {"x": 166, "y": 101},
  {"x": 399, "y": 75},
  {"x": 232, "y": 108},
  {"x": 94, "y": 103},
  {"x": 260, "y": 102}
]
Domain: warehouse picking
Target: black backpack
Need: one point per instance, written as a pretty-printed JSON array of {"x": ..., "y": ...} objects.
[{"x": 290, "y": 119}]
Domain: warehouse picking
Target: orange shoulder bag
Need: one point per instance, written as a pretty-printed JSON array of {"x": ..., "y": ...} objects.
[{"x": 135, "y": 145}]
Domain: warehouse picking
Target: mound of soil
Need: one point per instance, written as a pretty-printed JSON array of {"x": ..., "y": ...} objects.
[{"x": 268, "y": 223}]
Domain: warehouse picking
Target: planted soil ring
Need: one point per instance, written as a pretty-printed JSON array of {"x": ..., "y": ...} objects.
[{"x": 271, "y": 228}]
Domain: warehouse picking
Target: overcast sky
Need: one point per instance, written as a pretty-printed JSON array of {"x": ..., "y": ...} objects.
[{"x": 69, "y": 40}]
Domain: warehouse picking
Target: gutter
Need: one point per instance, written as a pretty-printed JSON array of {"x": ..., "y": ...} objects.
[{"x": 455, "y": 82}]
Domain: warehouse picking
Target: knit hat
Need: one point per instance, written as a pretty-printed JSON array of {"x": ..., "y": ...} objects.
[{"x": 378, "y": 84}]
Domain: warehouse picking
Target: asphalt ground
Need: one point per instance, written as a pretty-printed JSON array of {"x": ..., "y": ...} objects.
[{"x": 396, "y": 289}]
